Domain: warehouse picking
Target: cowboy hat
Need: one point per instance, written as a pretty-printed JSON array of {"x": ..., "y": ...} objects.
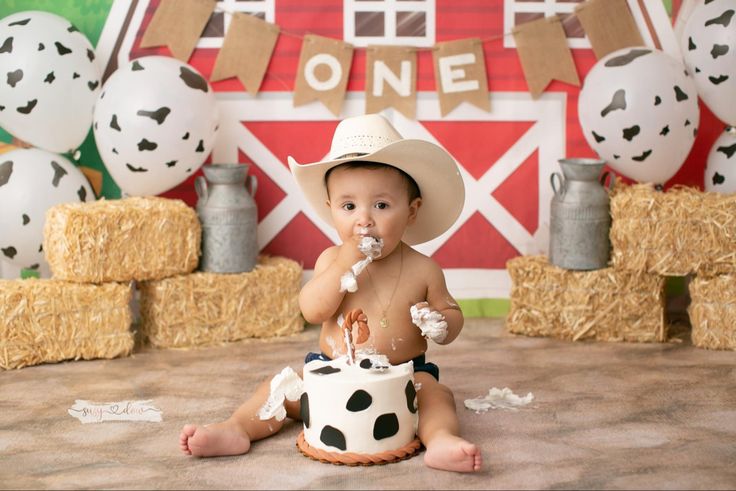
[{"x": 372, "y": 138}]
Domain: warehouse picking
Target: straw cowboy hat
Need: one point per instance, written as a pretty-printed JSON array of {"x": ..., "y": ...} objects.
[{"x": 372, "y": 138}]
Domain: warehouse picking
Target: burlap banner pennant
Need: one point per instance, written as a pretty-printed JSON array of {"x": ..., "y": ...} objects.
[
  {"x": 178, "y": 24},
  {"x": 460, "y": 74},
  {"x": 391, "y": 79},
  {"x": 324, "y": 69},
  {"x": 246, "y": 51},
  {"x": 609, "y": 25},
  {"x": 544, "y": 54}
]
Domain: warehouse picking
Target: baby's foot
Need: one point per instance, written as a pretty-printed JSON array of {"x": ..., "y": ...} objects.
[
  {"x": 213, "y": 440},
  {"x": 452, "y": 453}
]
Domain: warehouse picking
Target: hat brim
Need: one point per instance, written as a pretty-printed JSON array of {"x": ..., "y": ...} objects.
[{"x": 433, "y": 169}]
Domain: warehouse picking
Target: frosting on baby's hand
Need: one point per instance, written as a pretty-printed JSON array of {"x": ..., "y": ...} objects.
[
  {"x": 430, "y": 322},
  {"x": 285, "y": 385},
  {"x": 371, "y": 249}
]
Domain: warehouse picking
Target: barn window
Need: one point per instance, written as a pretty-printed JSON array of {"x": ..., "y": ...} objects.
[
  {"x": 214, "y": 32},
  {"x": 517, "y": 12},
  {"x": 394, "y": 22}
]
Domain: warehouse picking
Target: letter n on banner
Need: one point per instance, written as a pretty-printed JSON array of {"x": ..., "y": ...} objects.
[
  {"x": 460, "y": 74},
  {"x": 324, "y": 68},
  {"x": 391, "y": 79}
]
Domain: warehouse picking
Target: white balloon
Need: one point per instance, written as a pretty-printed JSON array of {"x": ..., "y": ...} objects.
[
  {"x": 50, "y": 80},
  {"x": 639, "y": 111},
  {"x": 720, "y": 169},
  {"x": 709, "y": 50},
  {"x": 155, "y": 123},
  {"x": 31, "y": 182}
]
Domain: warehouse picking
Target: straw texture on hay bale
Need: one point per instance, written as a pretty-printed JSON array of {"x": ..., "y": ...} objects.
[
  {"x": 121, "y": 240},
  {"x": 673, "y": 233},
  {"x": 210, "y": 308},
  {"x": 49, "y": 321},
  {"x": 604, "y": 304},
  {"x": 712, "y": 311}
]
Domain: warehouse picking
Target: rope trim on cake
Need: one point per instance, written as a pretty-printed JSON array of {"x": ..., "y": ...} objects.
[{"x": 353, "y": 459}]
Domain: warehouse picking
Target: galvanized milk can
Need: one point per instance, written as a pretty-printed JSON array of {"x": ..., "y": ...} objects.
[
  {"x": 229, "y": 218},
  {"x": 580, "y": 217}
]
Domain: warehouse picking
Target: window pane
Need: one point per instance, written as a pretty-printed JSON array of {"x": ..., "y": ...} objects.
[
  {"x": 572, "y": 26},
  {"x": 411, "y": 24},
  {"x": 369, "y": 24},
  {"x": 215, "y": 27},
  {"x": 523, "y": 17}
]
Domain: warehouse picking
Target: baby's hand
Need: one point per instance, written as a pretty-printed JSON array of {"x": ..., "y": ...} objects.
[
  {"x": 349, "y": 252},
  {"x": 430, "y": 322}
]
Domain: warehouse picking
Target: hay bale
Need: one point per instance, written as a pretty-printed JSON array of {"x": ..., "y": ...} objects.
[
  {"x": 604, "y": 304},
  {"x": 712, "y": 311},
  {"x": 210, "y": 308},
  {"x": 121, "y": 240},
  {"x": 673, "y": 233},
  {"x": 45, "y": 321}
]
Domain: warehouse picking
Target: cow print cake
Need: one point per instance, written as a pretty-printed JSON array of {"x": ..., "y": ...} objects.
[{"x": 362, "y": 408}]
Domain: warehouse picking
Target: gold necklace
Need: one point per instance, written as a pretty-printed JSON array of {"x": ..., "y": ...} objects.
[{"x": 384, "y": 319}]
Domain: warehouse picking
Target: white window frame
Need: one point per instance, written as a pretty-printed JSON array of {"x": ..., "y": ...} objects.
[
  {"x": 389, "y": 9},
  {"x": 229, "y": 7},
  {"x": 548, "y": 8}
]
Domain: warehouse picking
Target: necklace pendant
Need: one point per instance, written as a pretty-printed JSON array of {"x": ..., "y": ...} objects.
[{"x": 384, "y": 323}]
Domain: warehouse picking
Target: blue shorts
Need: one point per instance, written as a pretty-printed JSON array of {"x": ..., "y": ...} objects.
[{"x": 420, "y": 363}]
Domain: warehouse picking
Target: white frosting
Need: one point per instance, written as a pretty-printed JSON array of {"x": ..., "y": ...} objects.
[
  {"x": 328, "y": 395},
  {"x": 498, "y": 399},
  {"x": 285, "y": 385},
  {"x": 371, "y": 249},
  {"x": 430, "y": 322}
]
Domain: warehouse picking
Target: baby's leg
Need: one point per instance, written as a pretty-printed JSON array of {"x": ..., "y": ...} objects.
[
  {"x": 439, "y": 429},
  {"x": 234, "y": 435}
]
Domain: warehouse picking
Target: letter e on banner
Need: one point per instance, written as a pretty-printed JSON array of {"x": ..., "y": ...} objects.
[{"x": 460, "y": 74}]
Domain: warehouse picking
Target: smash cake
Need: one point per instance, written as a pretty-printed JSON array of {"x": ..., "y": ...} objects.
[{"x": 358, "y": 409}]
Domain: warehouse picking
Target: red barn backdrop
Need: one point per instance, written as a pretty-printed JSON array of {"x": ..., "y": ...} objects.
[{"x": 505, "y": 156}]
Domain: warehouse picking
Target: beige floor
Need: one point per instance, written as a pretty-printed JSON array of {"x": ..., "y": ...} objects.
[{"x": 605, "y": 416}]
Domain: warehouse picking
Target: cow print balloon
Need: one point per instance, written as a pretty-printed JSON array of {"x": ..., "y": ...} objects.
[
  {"x": 31, "y": 182},
  {"x": 709, "y": 50},
  {"x": 49, "y": 80},
  {"x": 720, "y": 170},
  {"x": 155, "y": 124},
  {"x": 639, "y": 111}
]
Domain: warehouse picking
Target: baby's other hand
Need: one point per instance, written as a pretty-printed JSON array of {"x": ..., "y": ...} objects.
[{"x": 431, "y": 322}]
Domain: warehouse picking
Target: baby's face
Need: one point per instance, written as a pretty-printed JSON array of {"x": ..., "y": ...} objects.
[{"x": 371, "y": 202}]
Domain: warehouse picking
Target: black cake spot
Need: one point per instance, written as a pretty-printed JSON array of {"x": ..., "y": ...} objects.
[
  {"x": 718, "y": 179},
  {"x": 618, "y": 101},
  {"x": 386, "y": 426},
  {"x": 59, "y": 172},
  {"x": 325, "y": 370},
  {"x": 366, "y": 363},
  {"x": 411, "y": 395},
  {"x": 193, "y": 80},
  {"x": 333, "y": 437},
  {"x": 304, "y": 409},
  {"x": 159, "y": 115},
  {"x": 359, "y": 401},
  {"x": 6, "y": 168}
]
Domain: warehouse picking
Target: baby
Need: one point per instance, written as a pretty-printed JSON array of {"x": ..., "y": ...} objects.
[{"x": 382, "y": 193}]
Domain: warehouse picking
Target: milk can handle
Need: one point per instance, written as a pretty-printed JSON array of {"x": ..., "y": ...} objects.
[
  {"x": 560, "y": 182},
  {"x": 611, "y": 180},
  {"x": 252, "y": 185},
  {"x": 200, "y": 186}
]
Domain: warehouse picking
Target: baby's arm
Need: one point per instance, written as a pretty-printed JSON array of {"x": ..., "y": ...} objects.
[
  {"x": 320, "y": 297},
  {"x": 443, "y": 310}
]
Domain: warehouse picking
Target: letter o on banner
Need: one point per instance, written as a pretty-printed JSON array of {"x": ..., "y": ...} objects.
[{"x": 323, "y": 59}]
